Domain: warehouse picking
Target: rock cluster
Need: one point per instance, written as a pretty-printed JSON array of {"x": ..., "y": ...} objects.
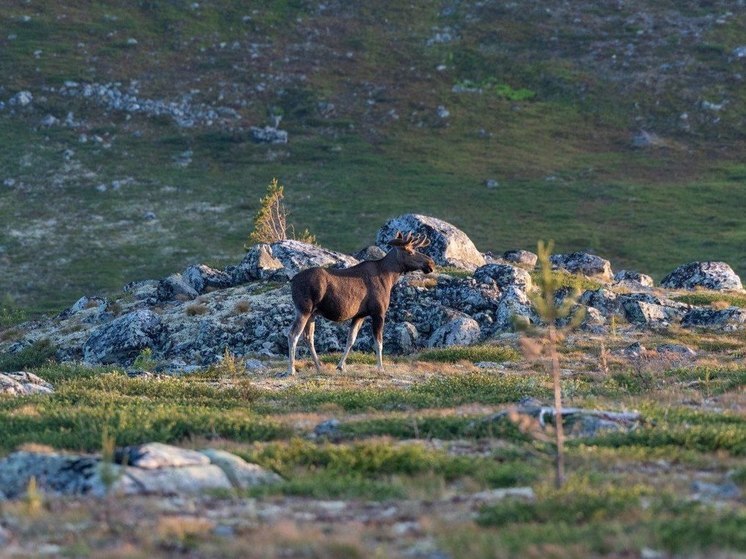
[
  {"x": 191, "y": 318},
  {"x": 149, "y": 469}
]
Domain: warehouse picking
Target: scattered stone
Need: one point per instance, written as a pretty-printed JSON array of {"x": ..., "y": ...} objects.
[
  {"x": 21, "y": 383},
  {"x": 449, "y": 246},
  {"x": 645, "y": 139},
  {"x": 21, "y": 99},
  {"x": 583, "y": 263},
  {"x": 491, "y": 183},
  {"x": 705, "y": 491},
  {"x": 269, "y": 135},
  {"x": 717, "y": 276}
]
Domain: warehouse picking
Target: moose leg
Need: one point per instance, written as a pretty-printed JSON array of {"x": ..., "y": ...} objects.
[
  {"x": 354, "y": 329},
  {"x": 378, "y": 335},
  {"x": 299, "y": 324},
  {"x": 309, "y": 332}
]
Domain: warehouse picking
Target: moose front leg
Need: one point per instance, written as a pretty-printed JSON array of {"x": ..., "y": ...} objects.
[
  {"x": 378, "y": 336},
  {"x": 354, "y": 329}
]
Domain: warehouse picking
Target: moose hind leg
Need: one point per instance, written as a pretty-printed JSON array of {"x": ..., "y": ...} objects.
[
  {"x": 309, "y": 332},
  {"x": 351, "y": 337},
  {"x": 296, "y": 329},
  {"x": 378, "y": 336}
]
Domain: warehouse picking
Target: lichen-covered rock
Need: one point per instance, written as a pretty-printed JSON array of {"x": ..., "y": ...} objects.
[
  {"x": 585, "y": 264},
  {"x": 121, "y": 340},
  {"x": 449, "y": 246},
  {"x": 201, "y": 278},
  {"x": 258, "y": 264},
  {"x": 645, "y": 309},
  {"x": 462, "y": 330},
  {"x": 514, "y": 307},
  {"x": 21, "y": 383},
  {"x": 296, "y": 256},
  {"x": 727, "y": 320},
  {"x": 628, "y": 276},
  {"x": 605, "y": 300},
  {"x": 151, "y": 456},
  {"x": 503, "y": 276},
  {"x": 175, "y": 287},
  {"x": 717, "y": 276}
]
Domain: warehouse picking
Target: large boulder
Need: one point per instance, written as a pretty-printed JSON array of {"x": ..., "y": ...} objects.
[
  {"x": 708, "y": 275},
  {"x": 121, "y": 340},
  {"x": 449, "y": 246},
  {"x": 585, "y": 264},
  {"x": 202, "y": 278},
  {"x": 462, "y": 330},
  {"x": 296, "y": 256},
  {"x": 258, "y": 264}
]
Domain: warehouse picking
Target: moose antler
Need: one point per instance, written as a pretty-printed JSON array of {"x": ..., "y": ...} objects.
[{"x": 410, "y": 241}]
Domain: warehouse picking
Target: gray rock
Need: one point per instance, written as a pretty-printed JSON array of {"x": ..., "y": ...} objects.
[
  {"x": 21, "y": 99},
  {"x": 577, "y": 422},
  {"x": 727, "y": 320},
  {"x": 21, "y": 383},
  {"x": 504, "y": 276},
  {"x": 121, "y": 340},
  {"x": 645, "y": 309},
  {"x": 269, "y": 135},
  {"x": 449, "y": 246},
  {"x": 717, "y": 276},
  {"x": 514, "y": 307},
  {"x": 522, "y": 258},
  {"x": 258, "y": 264},
  {"x": 241, "y": 474},
  {"x": 55, "y": 473},
  {"x": 201, "y": 277},
  {"x": 175, "y": 287},
  {"x": 585, "y": 264},
  {"x": 705, "y": 491},
  {"x": 172, "y": 481},
  {"x": 605, "y": 300},
  {"x": 296, "y": 256},
  {"x": 462, "y": 330},
  {"x": 636, "y": 277},
  {"x": 370, "y": 253},
  {"x": 151, "y": 456}
]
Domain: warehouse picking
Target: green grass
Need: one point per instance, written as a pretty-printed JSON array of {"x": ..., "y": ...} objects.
[
  {"x": 708, "y": 298},
  {"x": 470, "y": 353}
]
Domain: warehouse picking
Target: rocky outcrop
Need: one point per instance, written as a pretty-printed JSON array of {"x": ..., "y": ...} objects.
[
  {"x": 189, "y": 319},
  {"x": 449, "y": 246},
  {"x": 631, "y": 278},
  {"x": 584, "y": 264},
  {"x": 717, "y": 276},
  {"x": 155, "y": 469}
]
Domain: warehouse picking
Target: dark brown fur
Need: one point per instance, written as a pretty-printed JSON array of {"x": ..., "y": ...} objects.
[{"x": 352, "y": 294}]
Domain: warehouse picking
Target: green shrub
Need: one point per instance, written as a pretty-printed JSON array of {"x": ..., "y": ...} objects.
[{"x": 473, "y": 353}]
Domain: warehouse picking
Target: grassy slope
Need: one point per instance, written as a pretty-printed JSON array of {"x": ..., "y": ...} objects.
[{"x": 563, "y": 159}]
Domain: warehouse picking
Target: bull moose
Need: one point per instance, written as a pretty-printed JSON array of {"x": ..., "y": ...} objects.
[{"x": 352, "y": 294}]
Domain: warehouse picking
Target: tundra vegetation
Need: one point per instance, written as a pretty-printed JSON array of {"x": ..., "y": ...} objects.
[{"x": 618, "y": 130}]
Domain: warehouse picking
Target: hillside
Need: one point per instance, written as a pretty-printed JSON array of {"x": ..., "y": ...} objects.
[{"x": 610, "y": 126}]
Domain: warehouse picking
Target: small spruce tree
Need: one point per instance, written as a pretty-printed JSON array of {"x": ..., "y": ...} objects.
[{"x": 270, "y": 222}]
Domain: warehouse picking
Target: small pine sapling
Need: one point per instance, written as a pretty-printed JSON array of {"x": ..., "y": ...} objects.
[{"x": 270, "y": 222}]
